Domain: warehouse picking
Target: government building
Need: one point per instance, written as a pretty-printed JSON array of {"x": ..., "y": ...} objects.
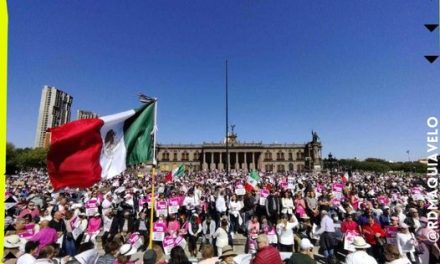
[{"x": 242, "y": 156}]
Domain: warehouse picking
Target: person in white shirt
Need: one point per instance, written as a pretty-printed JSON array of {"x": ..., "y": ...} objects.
[
  {"x": 360, "y": 256},
  {"x": 220, "y": 204},
  {"x": 190, "y": 203},
  {"x": 406, "y": 243},
  {"x": 221, "y": 235},
  {"x": 30, "y": 252},
  {"x": 287, "y": 204},
  {"x": 107, "y": 203},
  {"x": 208, "y": 229},
  {"x": 327, "y": 233},
  {"x": 234, "y": 213},
  {"x": 285, "y": 233}
]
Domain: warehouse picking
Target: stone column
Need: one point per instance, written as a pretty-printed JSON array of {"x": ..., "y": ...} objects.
[
  {"x": 221, "y": 166},
  {"x": 237, "y": 164},
  {"x": 245, "y": 161},
  {"x": 204, "y": 165},
  {"x": 228, "y": 161},
  {"x": 212, "y": 161},
  {"x": 253, "y": 161}
]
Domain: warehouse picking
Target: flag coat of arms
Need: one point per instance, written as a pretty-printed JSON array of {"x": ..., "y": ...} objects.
[
  {"x": 252, "y": 181},
  {"x": 177, "y": 172},
  {"x": 85, "y": 151}
]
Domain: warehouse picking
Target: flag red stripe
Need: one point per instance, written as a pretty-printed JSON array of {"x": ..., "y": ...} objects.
[{"x": 73, "y": 158}]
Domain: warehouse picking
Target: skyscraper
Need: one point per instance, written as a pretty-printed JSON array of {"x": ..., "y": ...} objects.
[{"x": 54, "y": 111}]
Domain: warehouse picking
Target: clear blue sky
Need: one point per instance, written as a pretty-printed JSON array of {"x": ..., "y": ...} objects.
[{"x": 352, "y": 70}]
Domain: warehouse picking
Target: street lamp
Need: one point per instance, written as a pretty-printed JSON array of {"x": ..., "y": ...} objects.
[{"x": 331, "y": 161}]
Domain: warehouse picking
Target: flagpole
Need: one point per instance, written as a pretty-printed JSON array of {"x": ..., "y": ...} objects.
[
  {"x": 150, "y": 243},
  {"x": 153, "y": 176},
  {"x": 227, "y": 124}
]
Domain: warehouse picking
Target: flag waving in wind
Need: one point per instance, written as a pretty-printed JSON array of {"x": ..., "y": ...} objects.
[
  {"x": 177, "y": 172},
  {"x": 252, "y": 180},
  {"x": 85, "y": 151}
]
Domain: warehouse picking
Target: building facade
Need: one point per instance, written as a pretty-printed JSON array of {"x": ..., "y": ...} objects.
[
  {"x": 81, "y": 114},
  {"x": 243, "y": 156},
  {"x": 54, "y": 111}
]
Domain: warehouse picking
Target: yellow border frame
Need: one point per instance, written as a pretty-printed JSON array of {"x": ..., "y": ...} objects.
[{"x": 3, "y": 109}]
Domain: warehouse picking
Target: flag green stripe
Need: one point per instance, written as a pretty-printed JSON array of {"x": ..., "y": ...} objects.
[{"x": 138, "y": 135}]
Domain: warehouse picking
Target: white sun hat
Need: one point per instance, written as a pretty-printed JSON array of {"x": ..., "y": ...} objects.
[
  {"x": 13, "y": 241},
  {"x": 359, "y": 242},
  {"x": 127, "y": 250}
]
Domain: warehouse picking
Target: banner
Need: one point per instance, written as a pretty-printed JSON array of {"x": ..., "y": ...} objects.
[
  {"x": 263, "y": 195},
  {"x": 158, "y": 231},
  {"x": 338, "y": 187},
  {"x": 290, "y": 183},
  {"x": 168, "y": 244},
  {"x": 348, "y": 241},
  {"x": 239, "y": 190},
  {"x": 391, "y": 234},
  {"x": 173, "y": 207},
  {"x": 161, "y": 208}
]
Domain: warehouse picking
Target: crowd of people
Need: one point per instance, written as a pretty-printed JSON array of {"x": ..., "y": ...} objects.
[{"x": 287, "y": 217}]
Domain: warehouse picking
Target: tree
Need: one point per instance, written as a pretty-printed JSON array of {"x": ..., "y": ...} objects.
[
  {"x": 24, "y": 158},
  {"x": 11, "y": 159}
]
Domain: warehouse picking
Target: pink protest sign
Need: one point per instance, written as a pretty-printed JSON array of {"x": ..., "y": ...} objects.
[
  {"x": 383, "y": 200},
  {"x": 173, "y": 207},
  {"x": 338, "y": 187},
  {"x": 159, "y": 231},
  {"x": 29, "y": 231},
  {"x": 391, "y": 234},
  {"x": 91, "y": 204},
  {"x": 168, "y": 244}
]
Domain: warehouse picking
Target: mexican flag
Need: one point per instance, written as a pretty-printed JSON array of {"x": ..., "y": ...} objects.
[
  {"x": 177, "y": 172},
  {"x": 252, "y": 180},
  {"x": 85, "y": 151}
]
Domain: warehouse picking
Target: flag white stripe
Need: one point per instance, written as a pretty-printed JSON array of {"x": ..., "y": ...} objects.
[{"x": 114, "y": 153}]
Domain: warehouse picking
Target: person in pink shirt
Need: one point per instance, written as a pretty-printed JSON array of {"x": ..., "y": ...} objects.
[
  {"x": 253, "y": 225},
  {"x": 46, "y": 235},
  {"x": 173, "y": 226},
  {"x": 30, "y": 209},
  {"x": 93, "y": 228},
  {"x": 300, "y": 205}
]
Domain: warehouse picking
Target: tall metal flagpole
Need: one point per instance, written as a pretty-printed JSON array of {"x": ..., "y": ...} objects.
[
  {"x": 153, "y": 175},
  {"x": 227, "y": 124}
]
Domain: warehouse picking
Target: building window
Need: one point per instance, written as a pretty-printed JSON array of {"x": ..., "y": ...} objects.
[
  {"x": 290, "y": 156},
  {"x": 280, "y": 168},
  {"x": 280, "y": 155},
  {"x": 299, "y": 156},
  {"x": 166, "y": 156},
  {"x": 269, "y": 167},
  {"x": 291, "y": 166},
  {"x": 268, "y": 156},
  {"x": 185, "y": 156},
  {"x": 196, "y": 156},
  {"x": 175, "y": 156}
]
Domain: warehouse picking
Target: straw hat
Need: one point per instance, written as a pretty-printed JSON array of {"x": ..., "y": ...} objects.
[
  {"x": 127, "y": 250},
  {"x": 359, "y": 242},
  {"x": 13, "y": 241},
  {"x": 227, "y": 251}
]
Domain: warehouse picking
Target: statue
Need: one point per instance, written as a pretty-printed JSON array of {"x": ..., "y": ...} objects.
[{"x": 315, "y": 136}]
